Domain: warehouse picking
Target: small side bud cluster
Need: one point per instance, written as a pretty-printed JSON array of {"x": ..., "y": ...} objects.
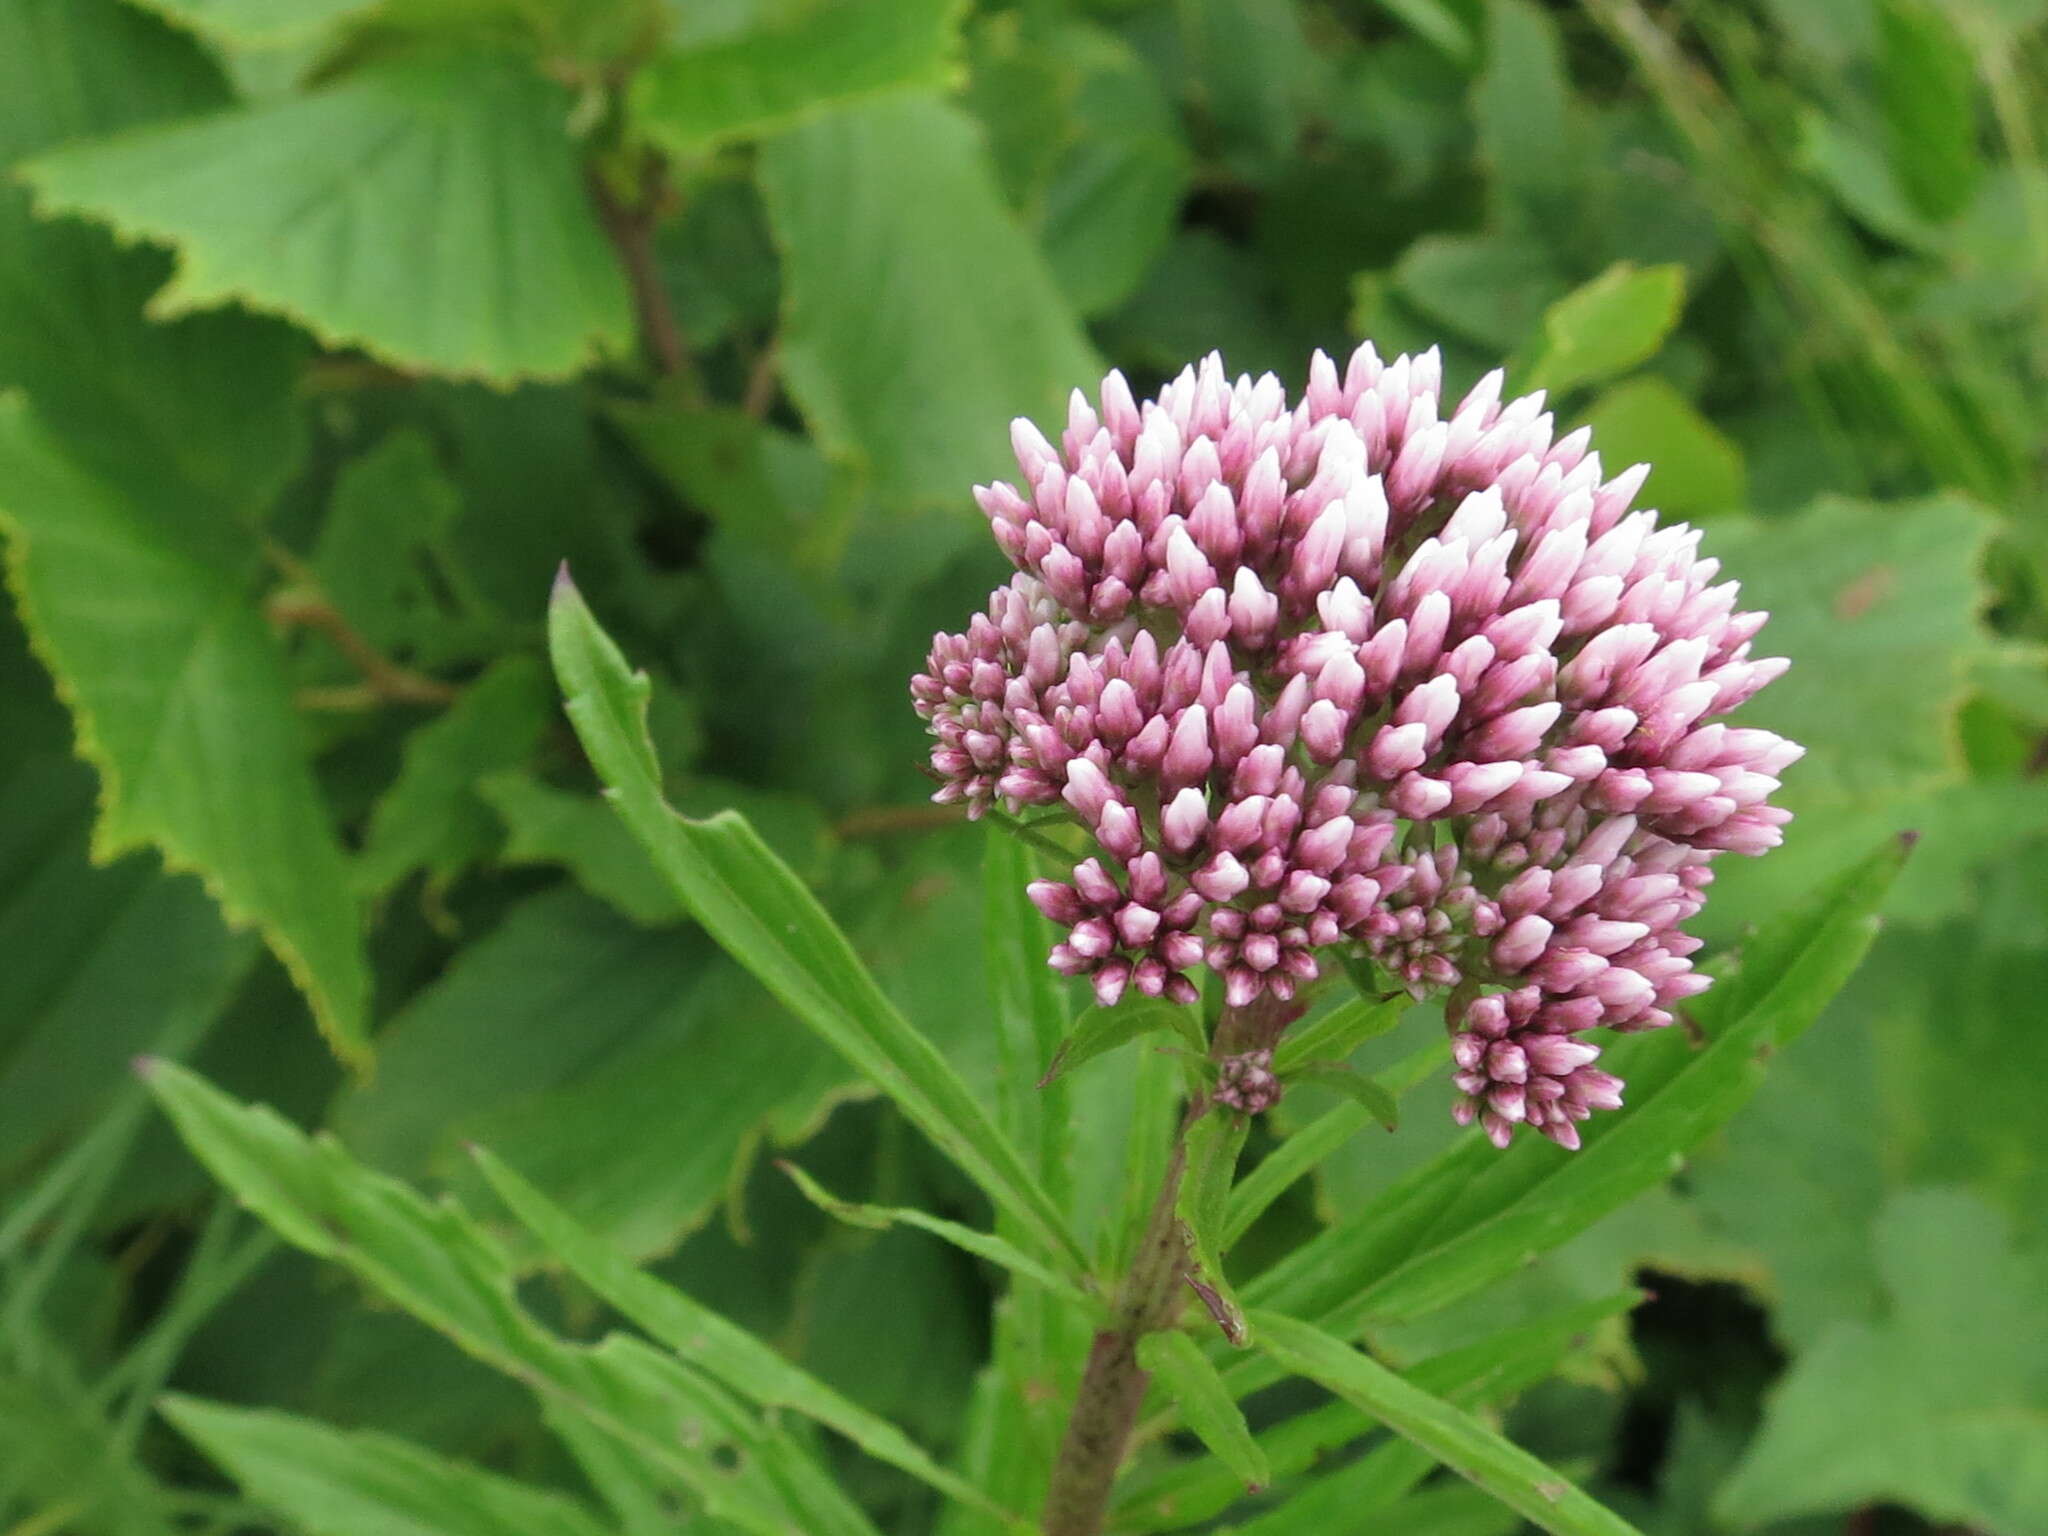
[{"x": 1358, "y": 674}]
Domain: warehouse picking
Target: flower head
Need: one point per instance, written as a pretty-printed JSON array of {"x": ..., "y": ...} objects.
[{"x": 1354, "y": 674}]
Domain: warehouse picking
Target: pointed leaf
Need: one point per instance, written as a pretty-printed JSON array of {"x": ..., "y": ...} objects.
[
  {"x": 435, "y": 1262},
  {"x": 330, "y": 1482},
  {"x": 141, "y": 611},
  {"x": 762, "y": 80},
  {"x": 1338, "y": 1033},
  {"x": 1450, "y": 1434},
  {"x": 1104, "y": 1029},
  {"x": 705, "y": 1338},
  {"x": 1608, "y": 326},
  {"x": 1213, "y": 1144},
  {"x": 983, "y": 1245},
  {"x": 430, "y": 211},
  {"x": 1030, "y": 1011},
  {"x": 1205, "y": 1404},
  {"x": 1369, "y": 1094},
  {"x": 919, "y": 317},
  {"x": 765, "y": 918}
]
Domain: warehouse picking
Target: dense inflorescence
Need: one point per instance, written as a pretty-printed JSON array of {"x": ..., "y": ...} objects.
[{"x": 1351, "y": 673}]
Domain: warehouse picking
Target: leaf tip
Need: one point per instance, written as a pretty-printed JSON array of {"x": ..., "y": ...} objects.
[
  {"x": 145, "y": 1066},
  {"x": 564, "y": 587},
  {"x": 1908, "y": 840}
]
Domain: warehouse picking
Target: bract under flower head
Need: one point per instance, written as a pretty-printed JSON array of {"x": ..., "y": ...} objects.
[{"x": 1356, "y": 674}]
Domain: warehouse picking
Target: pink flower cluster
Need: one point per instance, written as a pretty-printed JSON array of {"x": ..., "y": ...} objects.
[{"x": 1356, "y": 673}]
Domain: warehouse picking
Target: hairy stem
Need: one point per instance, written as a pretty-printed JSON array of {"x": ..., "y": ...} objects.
[
  {"x": 1113, "y": 1385},
  {"x": 1161, "y": 1277}
]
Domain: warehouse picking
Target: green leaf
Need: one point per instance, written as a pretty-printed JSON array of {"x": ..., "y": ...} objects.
[
  {"x": 1927, "y": 85},
  {"x": 1368, "y": 1094},
  {"x": 1695, "y": 471},
  {"x": 208, "y": 404},
  {"x": 431, "y": 818},
  {"x": 141, "y": 611},
  {"x": 1030, "y": 1009},
  {"x": 566, "y": 1038},
  {"x": 1251, "y": 65},
  {"x": 545, "y": 825},
  {"x": 1474, "y": 1216},
  {"x": 259, "y": 23},
  {"x": 1099, "y": 1030},
  {"x": 1491, "y": 1370},
  {"x": 919, "y": 319},
  {"x": 433, "y": 1261},
  {"x": 1490, "y": 288},
  {"x": 1942, "y": 1405},
  {"x": 367, "y": 210},
  {"x": 1338, "y": 1033},
  {"x": 764, "y": 917},
  {"x": 760, "y": 81},
  {"x": 1212, "y": 1144},
  {"x": 1608, "y": 326},
  {"x": 1522, "y": 113},
  {"x": 1205, "y": 1404},
  {"x": 1877, "y": 606},
  {"x": 1113, "y": 197},
  {"x": 330, "y": 1482},
  {"x": 1451, "y": 1435},
  {"x": 983, "y": 1245},
  {"x": 706, "y": 1339}
]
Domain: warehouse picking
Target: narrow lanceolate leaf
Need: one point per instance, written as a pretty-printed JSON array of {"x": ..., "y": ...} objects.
[
  {"x": 1029, "y": 1010},
  {"x": 771, "y": 77},
  {"x": 1213, "y": 1145},
  {"x": 1339, "y": 1032},
  {"x": 366, "y": 212},
  {"x": 1453, "y": 1436},
  {"x": 1475, "y": 1215},
  {"x": 1205, "y": 1404},
  {"x": 983, "y": 1245},
  {"x": 180, "y": 699},
  {"x": 708, "y": 1340},
  {"x": 1104, "y": 1029},
  {"x": 763, "y": 915},
  {"x": 919, "y": 316},
  {"x": 432, "y": 1260},
  {"x": 329, "y": 1482},
  {"x": 1368, "y": 1094}
]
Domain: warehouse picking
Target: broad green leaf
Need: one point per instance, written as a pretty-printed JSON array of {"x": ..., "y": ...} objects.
[
  {"x": 1099, "y": 1030},
  {"x": 1608, "y": 326},
  {"x": 760, "y": 81},
  {"x": 1253, "y": 71},
  {"x": 1474, "y": 1215},
  {"x": 1522, "y": 113},
  {"x": 1695, "y": 471},
  {"x": 566, "y": 1038},
  {"x": 1491, "y": 289},
  {"x": 703, "y": 1337},
  {"x": 1877, "y": 606},
  {"x": 206, "y": 404},
  {"x": 1927, "y": 85},
  {"x": 330, "y": 1482},
  {"x": 259, "y": 23},
  {"x": 919, "y": 318},
  {"x": 1460, "y": 1441},
  {"x": 98, "y": 960},
  {"x": 764, "y": 917},
  {"x": 1114, "y": 191},
  {"x": 983, "y": 1245},
  {"x": 365, "y": 211},
  {"x": 431, "y": 818},
  {"x": 1205, "y": 1404},
  {"x": 142, "y": 614},
  {"x": 545, "y": 825},
  {"x": 382, "y": 552},
  {"x": 433, "y": 1261},
  {"x": 1941, "y": 1405},
  {"x": 1338, "y": 1033}
]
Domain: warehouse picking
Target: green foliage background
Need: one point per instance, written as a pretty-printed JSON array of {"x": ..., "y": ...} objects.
[{"x": 328, "y": 328}]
